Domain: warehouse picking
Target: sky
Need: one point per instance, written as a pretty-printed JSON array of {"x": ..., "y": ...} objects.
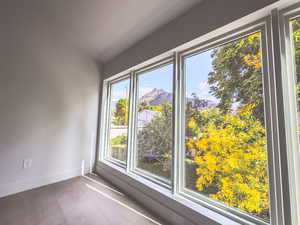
[
  {"x": 161, "y": 78},
  {"x": 197, "y": 69},
  {"x": 120, "y": 90}
]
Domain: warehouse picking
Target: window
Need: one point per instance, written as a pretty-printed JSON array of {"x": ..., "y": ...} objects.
[
  {"x": 154, "y": 129},
  {"x": 212, "y": 135},
  {"x": 118, "y": 120},
  {"x": 225, "y": 135}
]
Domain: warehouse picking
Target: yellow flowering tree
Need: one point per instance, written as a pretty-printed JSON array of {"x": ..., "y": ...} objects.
[{"x": 230, "y": 154}]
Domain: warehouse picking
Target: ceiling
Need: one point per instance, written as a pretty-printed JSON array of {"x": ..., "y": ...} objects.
[
  {"x": 102, "y": 28},
  {"x": 107, "y": 27}
]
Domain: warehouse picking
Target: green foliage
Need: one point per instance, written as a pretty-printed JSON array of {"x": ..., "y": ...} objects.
[
  {"x": 192, "y": 113},
  {"x": 121, "y": 112},
  {"x": 236, "y": 75},
  {"x": 145, "y": 106},
  {"x": 296, "y": 40},
  {"x": 156, "y": 137},
  {"x": 119, "y": 140},
  {"x": 157, "y": 168}
]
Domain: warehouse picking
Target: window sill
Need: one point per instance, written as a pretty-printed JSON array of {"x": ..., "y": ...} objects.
[
  {"x": 161, "y": 189},
  {"x": 175, "y": 209}
]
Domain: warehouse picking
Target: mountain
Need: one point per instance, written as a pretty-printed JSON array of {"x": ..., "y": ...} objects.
[{"x": 157, "y": 97}]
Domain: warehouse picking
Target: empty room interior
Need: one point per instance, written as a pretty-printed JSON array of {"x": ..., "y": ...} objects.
[{"x": 161, "y": 112}]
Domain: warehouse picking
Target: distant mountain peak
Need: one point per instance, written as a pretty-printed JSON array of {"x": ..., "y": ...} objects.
[
  {"x": 157, "y": 97},
  {"x": 155, "y": 91}
]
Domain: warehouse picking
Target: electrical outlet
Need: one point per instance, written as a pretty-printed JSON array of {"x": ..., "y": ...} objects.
[{"x": 27, "y": 163}]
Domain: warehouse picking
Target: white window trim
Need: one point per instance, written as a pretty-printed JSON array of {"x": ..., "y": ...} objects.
[
  {"x": 289, "y": 81},
  {"x": 260, "y": 26},
  {"x": 278, "y": 214},
  {"x": 105, "y": 125},
  {"x": 133, "y": 164}
]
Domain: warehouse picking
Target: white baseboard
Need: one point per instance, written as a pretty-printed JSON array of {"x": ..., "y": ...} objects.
[{"x": 28, "y": 184}]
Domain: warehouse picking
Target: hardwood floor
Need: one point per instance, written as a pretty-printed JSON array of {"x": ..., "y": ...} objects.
[{"x": 78, "y": 201}]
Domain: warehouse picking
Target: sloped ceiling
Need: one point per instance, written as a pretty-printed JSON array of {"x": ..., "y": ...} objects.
[{"x": 102, "y": 28}]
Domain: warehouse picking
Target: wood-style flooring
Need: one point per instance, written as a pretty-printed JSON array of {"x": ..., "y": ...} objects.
[{"x": 78, "y": 201}]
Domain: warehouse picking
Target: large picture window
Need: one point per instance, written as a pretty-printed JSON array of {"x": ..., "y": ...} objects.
[
  {"x": 225, "y": 135},
  {"x": 154, "y": 124},
  {"x": 118, "y": 120},
  {"x": 203, "y": 124}
]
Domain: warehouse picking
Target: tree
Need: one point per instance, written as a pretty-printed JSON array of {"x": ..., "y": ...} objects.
[
  {"x": 146, "y": 106},
  {"x": 119, "y": 140},
  {"x": 296, "y": 40},
  {"x": 121, "y": 112},
  {"x": 230, "y": 154},
  {"x": 156, "y": 136},
  {"x": 143, "y": 106},
  {"x": 193, "y": 107},
  {"x": 237, "y": 74},
  {"x": 155, "y": 141}
]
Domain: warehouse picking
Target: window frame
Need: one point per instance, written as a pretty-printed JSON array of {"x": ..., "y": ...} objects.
[
  {"x": 216, "y": 42},
  {"x": 107, "y": 121},
  {"x": 133, "y": 164},
  {"x": 175, "y": 187},
  {"x": 290, "y": 123}
]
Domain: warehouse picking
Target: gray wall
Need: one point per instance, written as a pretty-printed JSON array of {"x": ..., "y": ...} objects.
[
  {"x": 48, "y": 101},
  {"x": 203, "y": 18}
]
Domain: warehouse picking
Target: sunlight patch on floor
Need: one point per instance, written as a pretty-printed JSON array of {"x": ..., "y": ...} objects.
[{"x": 122, "y": 204}]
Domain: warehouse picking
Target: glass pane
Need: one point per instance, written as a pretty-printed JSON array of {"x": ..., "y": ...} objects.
[
  {"x": 154, "y": 121},
  {"x": 119, "y": 108},
  {"x": 295, "y": 25},
  {"x": 226, "y": 154}
]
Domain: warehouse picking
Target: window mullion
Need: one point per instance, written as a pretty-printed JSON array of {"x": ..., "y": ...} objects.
[
  {"x": 181, "y": 124},
  {"x": 289, "y": 81},
  {"x": 176, "y": 126},
  {"x": 104, "y": 117},
  {"x": 107, "y": 120},
  {"x": 132, "y": 123},
  {"x": 271, "y": 110}
]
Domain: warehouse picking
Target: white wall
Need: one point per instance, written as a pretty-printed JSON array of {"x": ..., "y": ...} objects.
[{"x": 48, "y": 101}]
